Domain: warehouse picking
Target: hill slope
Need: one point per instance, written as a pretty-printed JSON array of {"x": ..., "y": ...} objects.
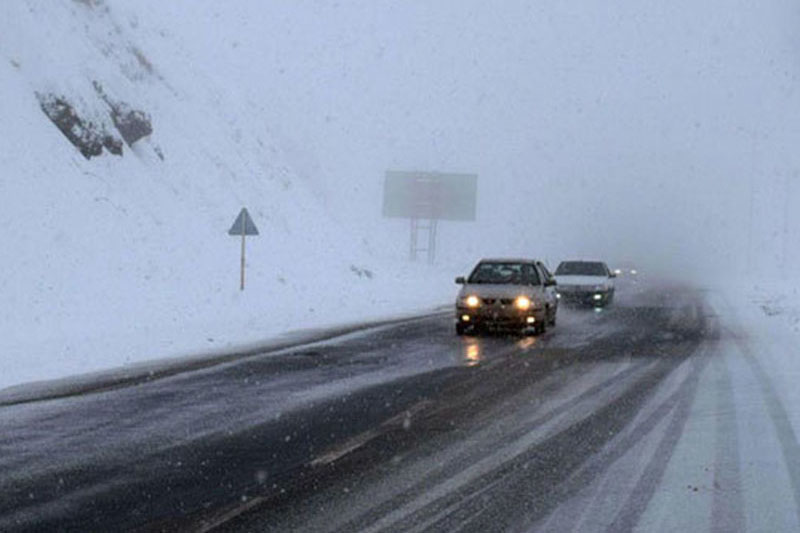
[{"x": 111, "y": 259}]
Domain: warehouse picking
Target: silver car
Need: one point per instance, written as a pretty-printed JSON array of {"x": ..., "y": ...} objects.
[
  {"x": 585, "y": 282},
  {"x": 518, "y": 294}
]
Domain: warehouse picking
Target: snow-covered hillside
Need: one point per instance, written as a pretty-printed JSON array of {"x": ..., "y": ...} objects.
[
  {"x": 114, "y": 259},
  {"x": 661, "y": 136}
]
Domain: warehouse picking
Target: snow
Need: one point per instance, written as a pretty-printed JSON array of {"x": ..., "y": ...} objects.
[
  {"x": 734, "y": 466},
  {"x": 661, "y": 136},
  {"x": 773, "y": 337},
  {"x": 117, "y": 260},
  {"x": 765, "y": 317}
]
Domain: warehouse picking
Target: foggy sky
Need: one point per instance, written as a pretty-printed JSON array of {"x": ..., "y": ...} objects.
[{"x": 628, "y": 130}]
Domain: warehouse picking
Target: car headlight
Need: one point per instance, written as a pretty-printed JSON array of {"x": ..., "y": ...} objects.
[
  {"x": 472, "y": 301},
  {"x": 523, "y": 303}
]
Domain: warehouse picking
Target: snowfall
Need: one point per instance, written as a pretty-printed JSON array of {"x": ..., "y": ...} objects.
[{"x": 114, "y": 261}]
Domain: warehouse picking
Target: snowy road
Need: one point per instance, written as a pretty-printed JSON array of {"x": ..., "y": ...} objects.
[{"x": 661, "y": 413}]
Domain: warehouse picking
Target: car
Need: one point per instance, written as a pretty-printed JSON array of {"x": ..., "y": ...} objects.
[
  {"x": 626, "y": 268},
  {"x": 585, "y": 282},
  {"x": 516, "y": 294}
]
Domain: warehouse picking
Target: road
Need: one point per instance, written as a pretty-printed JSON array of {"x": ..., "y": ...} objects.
[{"x": 596, "y": 425}]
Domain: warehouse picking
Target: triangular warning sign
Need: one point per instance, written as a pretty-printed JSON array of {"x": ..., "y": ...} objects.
[{"x": 243, "y": 223}]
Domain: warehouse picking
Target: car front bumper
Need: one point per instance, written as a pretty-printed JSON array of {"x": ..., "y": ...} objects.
[
  {"x": 595, "y": 298},
  {"x": 499, "y": 316}
]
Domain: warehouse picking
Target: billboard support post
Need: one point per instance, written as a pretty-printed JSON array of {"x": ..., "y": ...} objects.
[
  {"x": 429, "y": 226},
  {"x": 431, "y": 241},
  {"x": 412, "y": 251}
]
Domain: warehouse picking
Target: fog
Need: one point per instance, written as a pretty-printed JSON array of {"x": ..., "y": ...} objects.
[{"x": 659, "y": 133}]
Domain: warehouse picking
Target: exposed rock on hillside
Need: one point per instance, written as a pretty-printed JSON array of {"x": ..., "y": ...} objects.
[
  {"x": 132, "y": 124},
  {"x": 89, "y": 138}
]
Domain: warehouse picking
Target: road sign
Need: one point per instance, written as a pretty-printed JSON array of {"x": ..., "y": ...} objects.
[{"x": 243, "y": 225}]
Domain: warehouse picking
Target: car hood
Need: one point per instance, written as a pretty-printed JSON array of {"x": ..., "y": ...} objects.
[
  {"x": 583, "y": 280},
  {"x": 487, "y": 290}
]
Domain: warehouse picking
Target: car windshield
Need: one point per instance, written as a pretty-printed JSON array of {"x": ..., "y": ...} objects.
[
  {"x": 504, "y": 273},
  {"x": 581, "y": 268}
]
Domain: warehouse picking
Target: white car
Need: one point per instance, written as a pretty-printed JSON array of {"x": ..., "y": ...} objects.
[{"x": 585, "y": 282}]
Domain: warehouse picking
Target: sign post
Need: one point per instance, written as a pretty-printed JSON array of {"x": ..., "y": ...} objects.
[{"x": 243, "y": 226}]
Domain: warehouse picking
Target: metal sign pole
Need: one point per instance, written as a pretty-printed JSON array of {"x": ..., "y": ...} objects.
[
  {"x": 412, "y": 251},
  {"x": 432, "y": 241},
  {"x": 241, "y": 284}
]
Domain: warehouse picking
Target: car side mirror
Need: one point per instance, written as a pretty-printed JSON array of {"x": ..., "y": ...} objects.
[
  {"x": 550, "y": 283},
  {"x": 612, "y": 274},
  {"x": 461, "y": 280}
]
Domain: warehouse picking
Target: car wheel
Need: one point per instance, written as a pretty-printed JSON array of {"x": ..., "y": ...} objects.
[
  {"x": 460, "y": 329},
  {"x": 541, "y": 328},
  {"x": 553, "y": 320}
]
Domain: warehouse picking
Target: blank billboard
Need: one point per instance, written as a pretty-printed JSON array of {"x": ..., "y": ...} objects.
[{"x": 434, "y": 195}]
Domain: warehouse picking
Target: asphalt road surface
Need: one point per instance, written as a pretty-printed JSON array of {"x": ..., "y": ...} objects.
[{"x": 403, "y": 427}]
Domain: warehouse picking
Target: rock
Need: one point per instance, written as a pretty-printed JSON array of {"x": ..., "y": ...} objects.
[
  {"x": 132, "y": 124},
  {"x": 88, "y": 137}
]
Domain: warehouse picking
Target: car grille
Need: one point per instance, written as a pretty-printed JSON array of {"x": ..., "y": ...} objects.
[
  {"x": 502, "y": 301},
  {"x": 575, "y": 288}
]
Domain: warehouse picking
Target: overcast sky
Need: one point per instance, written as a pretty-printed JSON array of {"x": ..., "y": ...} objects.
[{"x": 616, "y": 128}]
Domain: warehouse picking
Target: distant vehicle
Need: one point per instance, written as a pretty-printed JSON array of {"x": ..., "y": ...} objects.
[
  {"x": 626, "y": 268},
  {"x": 517, "y": 294},
  {"x": 585, "y": 282}
]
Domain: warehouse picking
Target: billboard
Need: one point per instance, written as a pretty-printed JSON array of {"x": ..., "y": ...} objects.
[{"x": 432, "y": 195}]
